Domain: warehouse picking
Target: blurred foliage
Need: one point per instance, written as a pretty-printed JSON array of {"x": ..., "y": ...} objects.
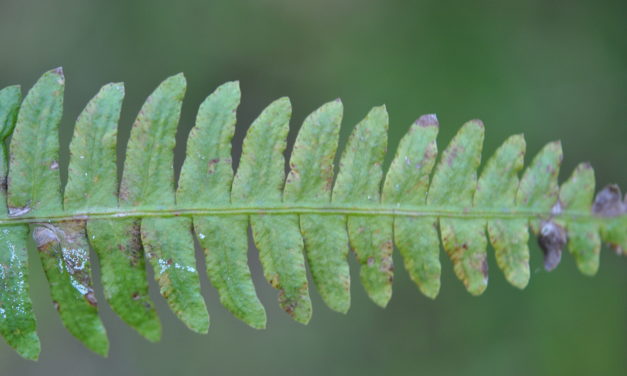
[{"x": 550, "y": 69}]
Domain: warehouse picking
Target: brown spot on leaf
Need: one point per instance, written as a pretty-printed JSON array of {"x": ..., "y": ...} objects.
[
  {"x": 124, "y": 193},
  {"x": 43, "y": 236},
  {"x": 289, "y": 305},
  {"x": 91, "y": 298},
  {"x": 607, "y": 202},
  {"x": 484, "y": 267},
  {"x": 550, "y": 169},
  {"x": 452, "y": 154},
  {"x": 211, "y": 167},
  {"x": 552, "y": 240},
  {"x": 428, "y": 120},
  {"x": 133, "y": 248},
  {"x": 478, "y": 122},
  {"x": 274, "y": 281},
  {"x": 16, "y": 212}
]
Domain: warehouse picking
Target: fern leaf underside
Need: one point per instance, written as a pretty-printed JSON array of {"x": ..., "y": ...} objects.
[{"x": 310, "y": 215}]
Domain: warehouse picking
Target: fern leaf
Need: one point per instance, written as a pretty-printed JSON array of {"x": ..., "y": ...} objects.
[
  {"x": 34, "y": 187},
  {"x": 306, "y": 215},
  {"x": 259, "y": 179},
  {"x": 93, "y": 182},
  {"x": 148, "y": 180},
  {"x": 496, "y": 189},
  {"x": 539, "y": 191},
  {"x": 206, "y": 178},
  {"x": 17, "y": 321},
  {"x": 310, "y": 180},
  {"x": 358, "y": 182},
  {"x": 407, "y": 183},
  {"x": 34, "y": 182},
  {"x": 584, "y": 240},
  {"x": 454, "y": 184}
]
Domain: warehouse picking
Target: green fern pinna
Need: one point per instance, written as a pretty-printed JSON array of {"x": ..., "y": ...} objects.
[{"x": 309, "y": 215}]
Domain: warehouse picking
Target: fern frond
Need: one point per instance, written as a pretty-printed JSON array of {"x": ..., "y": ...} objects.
[{"x": 307, "y": 216}]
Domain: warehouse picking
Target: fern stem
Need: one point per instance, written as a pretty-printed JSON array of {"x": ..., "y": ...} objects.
[{"x": 284, "y": 208}]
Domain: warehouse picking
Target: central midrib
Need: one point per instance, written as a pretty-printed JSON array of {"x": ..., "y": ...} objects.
[{"x": 292, "y": 208}]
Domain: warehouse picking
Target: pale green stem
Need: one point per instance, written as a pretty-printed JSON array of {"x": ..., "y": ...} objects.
[{"x": 289, "y": 208}]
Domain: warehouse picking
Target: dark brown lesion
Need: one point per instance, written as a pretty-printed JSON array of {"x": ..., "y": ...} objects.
[
  {"x": 3, "y": 185},
  {"x": 288, "y": 305},
  {"x": 133, "y": 247},
  {"x": 484, "y": 267},
  {"x": 45, "y": 236},
  {"x": 607, "y": 202},
  {"x": 19, "y": 211},
  {"x": 211, "y": 166},
  {"x": 552, "y": 238},
  {"x": 67, "y": 243},
  {"x": 91, "y": 298}
]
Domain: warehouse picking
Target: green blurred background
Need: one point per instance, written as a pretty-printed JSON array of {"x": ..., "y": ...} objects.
[{"x": 550, "y": 69}]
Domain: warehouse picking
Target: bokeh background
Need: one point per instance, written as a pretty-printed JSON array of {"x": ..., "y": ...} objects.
[{"x": 549, "y": 69}]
